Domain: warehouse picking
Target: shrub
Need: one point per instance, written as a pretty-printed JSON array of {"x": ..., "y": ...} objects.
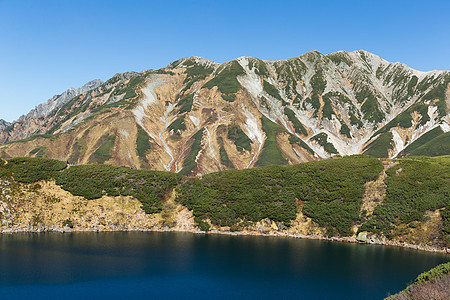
[
  {"x": 371, "y": 109},
  {"x": 226, "y": 79},
  {"x": 3, "y": 172},
  {"x": 299, "y": 128},
  {"x": 445, "y": 214},
  {"x": 295, "y": 140},
  {"x": 345, "y": 130},
  {"x": 103, "y": 153},
  {"x": 322, "y": 139},
  {"x": 440, "y": 145},
  {"x": 271, "y": 154},
  {"x": 142, "y": 142},
  {"x": 355, "y": 121},
  {"x": 330, "y": 189},
  {"x": 178, "y": 125},
  {"x": 68, "y": 223},
  {"x": 405, "y": 120},
  {"x": 28, "y": 170},
  {"x": 189, "y": 162},
  {"x": 224, "y": 159},
  {"x": 130, "y": 89},
  {"x": 230, "y": 196},
  {"x": 258, "y": 65},
  {"x": 327, "y": 110},
  {"x": 39, "y": 151},
  {"x": 413, "y": 187},
  {"x": 186, "y": 103},
  {"x": 318, "y": 83},
  {"x": 239, "y": 137},
  {"x": 94, "y": 181},
  {"x": 271, "y": 90},
  {"x": 196, "y": 71},
  {"x": 423, "y": 139},
  {"x": 436, "y": 272},
  {"x": 78, "y": 149},
  {"x": 379, "y": 147},
  {"x": 202, "y": 225}
]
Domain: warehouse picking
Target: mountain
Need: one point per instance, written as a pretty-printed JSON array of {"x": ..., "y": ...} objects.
[
  {"x": 196, "y": 116},
  {"x": 4, "y": 124},
  {"x": 44, "y": 109},
  {"x": 30, "y": 124}
]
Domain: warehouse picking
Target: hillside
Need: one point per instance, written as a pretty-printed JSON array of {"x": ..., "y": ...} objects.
[
  {"x": 196, "y": 116},
  {"x": 433, "y": 284},
  {"x": 353, "y": 198}
]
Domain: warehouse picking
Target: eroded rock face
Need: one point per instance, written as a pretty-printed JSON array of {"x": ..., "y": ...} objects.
[
  {"x": 30, "y": 124},
  {"x": 196, "y": 116}
]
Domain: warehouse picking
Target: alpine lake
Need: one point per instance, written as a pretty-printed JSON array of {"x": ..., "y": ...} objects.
[{"x": 168, "y": 265}]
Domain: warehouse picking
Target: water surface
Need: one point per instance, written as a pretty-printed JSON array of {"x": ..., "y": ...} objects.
[{"x": 183, "y": 265}]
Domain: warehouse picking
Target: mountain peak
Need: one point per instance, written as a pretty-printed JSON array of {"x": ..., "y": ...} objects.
[
  {"x": 190, "y": 60},
  {"x": 44, "y": 109},
  {"x": 92, "y": 84},
  {"x": 4, "y": 124}
]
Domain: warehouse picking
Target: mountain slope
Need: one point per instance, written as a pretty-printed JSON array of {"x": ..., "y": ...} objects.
[
  {"x": 199, "y": 116},
  {"x": 439, "y": 145},
  {"x": 358, "y": 198},
  {"x": 34, "y": 122}
]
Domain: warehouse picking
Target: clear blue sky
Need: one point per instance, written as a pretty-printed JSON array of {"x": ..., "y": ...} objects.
[{"x": 49, "y": 46}]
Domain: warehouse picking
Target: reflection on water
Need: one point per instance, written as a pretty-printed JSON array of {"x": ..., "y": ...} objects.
[{"x": 184, "y": 265}]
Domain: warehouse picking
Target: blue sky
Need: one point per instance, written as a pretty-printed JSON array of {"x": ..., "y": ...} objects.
[{"x": 49, "y": 46}]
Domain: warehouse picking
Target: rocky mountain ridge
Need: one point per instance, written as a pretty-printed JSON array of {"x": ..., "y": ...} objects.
[
  {"x": 197, "y": 116},
  {"x": 4, "y": 124},
  {"x": 44, "y": 109},
  {"x": 29, "y": 124}
]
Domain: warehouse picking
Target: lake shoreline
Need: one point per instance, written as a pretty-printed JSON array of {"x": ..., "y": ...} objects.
[{"x": 218, "y": 232}]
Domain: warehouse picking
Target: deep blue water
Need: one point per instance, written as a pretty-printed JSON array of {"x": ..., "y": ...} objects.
[{"x": 182, "y": 265}]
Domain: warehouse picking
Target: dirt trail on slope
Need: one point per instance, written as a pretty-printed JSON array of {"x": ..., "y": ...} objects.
[{"x": 375, "y": 191}]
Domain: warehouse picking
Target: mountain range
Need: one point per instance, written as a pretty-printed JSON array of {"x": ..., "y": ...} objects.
[{"x": 196, "y": 116}]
